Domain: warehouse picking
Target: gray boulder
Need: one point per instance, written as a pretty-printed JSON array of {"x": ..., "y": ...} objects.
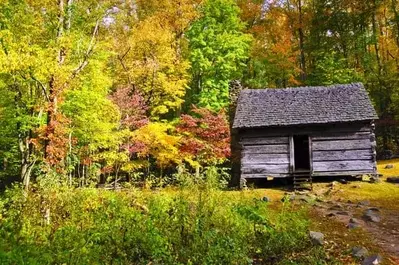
[
  {"x": 359, "y": 252},
  {"x": 317, "y": 238},
  {"x": 372, "y": 260}
]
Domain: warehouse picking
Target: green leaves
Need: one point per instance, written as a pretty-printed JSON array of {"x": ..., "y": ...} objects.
[{"x": 218, "y": 48}]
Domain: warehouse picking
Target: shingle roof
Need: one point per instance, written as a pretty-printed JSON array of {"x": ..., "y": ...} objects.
[{"x": 303, "y": 105}]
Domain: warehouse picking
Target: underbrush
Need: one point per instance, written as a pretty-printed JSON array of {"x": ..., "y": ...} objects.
[{"x": 189, "y": 225}]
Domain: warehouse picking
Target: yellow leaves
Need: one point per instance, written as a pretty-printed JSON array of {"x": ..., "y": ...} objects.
[
  {"x": 159, "y": 143},
  {"x": 153, "y": 64}
]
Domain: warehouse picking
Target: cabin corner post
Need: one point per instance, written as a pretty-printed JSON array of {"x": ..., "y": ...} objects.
[{"x": 374, "y": 147}]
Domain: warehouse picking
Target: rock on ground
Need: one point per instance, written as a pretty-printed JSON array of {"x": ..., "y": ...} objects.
[
  {"x": 317, "y": 238},
  {"x": 389, "y": 166},
  {"x": 266, "y": 199},
  {"x": 372, "y": 216},
  {"x": 359, "y": 252},
  {"x": 372, "y": 260}
]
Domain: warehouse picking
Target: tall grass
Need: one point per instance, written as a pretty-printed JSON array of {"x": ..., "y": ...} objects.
[{"x": 194, "y": 224}]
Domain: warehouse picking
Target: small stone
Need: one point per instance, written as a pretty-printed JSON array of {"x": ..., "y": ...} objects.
[
  {"x": 354, "y": 221},
  {"x": 372, "y": 260},
  {"x": 375, "y": 180},
  {"x": 373, "y": 209},
  {"x": 372, "y": 217},
  {"x": 389, "y": 166},
  {"x": 359, "y": 252},
  {"x": 266, "y": 199},
  {"x": 317, "y": 238},
  {"x": 393, "y": 179},
  {"x": 343, "y": 213},
  {"x": 333, "y": 184},
  {"x": 343, "y": 181}
]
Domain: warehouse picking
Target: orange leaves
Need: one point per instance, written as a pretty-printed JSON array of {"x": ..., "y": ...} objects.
[{"x": 206, "y": 136}]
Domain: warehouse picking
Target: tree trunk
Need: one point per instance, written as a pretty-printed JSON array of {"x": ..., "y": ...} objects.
[
  {"x": 26, "y": 163},
  {"x": 301, "y": 43}
]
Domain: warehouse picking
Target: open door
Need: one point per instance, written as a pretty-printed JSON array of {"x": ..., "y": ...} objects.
[{"x": 301, "y": 153}]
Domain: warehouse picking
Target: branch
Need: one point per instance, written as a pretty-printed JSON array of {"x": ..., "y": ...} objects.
[
  {"x": 120, "y": 58},
  {"x": 42, "y": 86},
  {"x": 86, "y": 56},
  {"x": 89, "y": 51}
]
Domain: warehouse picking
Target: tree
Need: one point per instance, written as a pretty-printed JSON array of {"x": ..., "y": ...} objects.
[
  {"x": 205, "y": 137},
  {"x": 45, "y": 50},
  {"x": 218, "y": 51}
]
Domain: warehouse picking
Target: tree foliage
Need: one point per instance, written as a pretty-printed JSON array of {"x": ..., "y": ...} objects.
[{"x": 92, "y": 91}]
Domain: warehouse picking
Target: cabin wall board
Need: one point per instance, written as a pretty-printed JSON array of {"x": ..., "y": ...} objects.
[
  {"x": 264, "y": 156},
  {"x": 335, "y": 149}
]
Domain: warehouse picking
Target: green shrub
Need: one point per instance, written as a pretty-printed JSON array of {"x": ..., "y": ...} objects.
[{"x": 194, "y": 225}]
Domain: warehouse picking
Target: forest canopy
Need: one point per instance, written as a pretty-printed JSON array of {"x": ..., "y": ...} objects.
[{"x": 96, "y": 91}]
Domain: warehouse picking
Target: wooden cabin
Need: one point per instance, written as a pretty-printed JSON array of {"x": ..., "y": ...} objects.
[{"x": 306, "y": 132}]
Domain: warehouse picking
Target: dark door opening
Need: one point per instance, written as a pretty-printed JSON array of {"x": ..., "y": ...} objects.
[{"x": 301, "y": 153}]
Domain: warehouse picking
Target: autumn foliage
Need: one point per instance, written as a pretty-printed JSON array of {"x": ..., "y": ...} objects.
[{"x": 206, "y": 135}]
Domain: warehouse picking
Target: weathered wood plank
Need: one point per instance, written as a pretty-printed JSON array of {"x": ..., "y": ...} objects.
[
  {"x": 341, "y": 145},
  {"x": 342, "y": 173},
  {"x": 263, "y": 140},
  {"x": 264, "y": 169},
  {"x": 250, "y": 158},
  {"x": 345, "y": 155},
  {"x": 353, "y": 165},
  {"x": 342, "y": 136},
  {"x": 265, "y": 149},
  {"x": 274, "y": 175}
]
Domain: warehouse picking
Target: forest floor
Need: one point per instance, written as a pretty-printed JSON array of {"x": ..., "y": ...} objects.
[{"x": 333, "y": 204}]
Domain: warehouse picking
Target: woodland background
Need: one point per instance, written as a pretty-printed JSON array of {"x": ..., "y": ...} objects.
[{"x": 97, "y": 91}]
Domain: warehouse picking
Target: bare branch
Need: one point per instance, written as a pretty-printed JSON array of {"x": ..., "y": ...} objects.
[
  {"x": 89, "y": 51},
  {"x": 42, "y": 86}
]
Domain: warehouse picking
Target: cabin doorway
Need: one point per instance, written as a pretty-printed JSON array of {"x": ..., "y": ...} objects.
[{"x": 301, "y": 153}]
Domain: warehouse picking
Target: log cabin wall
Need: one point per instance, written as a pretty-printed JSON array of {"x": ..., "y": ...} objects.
[{"x": 336, "y": 149}]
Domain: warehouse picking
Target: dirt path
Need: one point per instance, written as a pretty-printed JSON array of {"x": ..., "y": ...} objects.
[{"x": 385, "y": 232}]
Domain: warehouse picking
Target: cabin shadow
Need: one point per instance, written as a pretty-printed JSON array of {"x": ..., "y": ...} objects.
[{"x": 287, "y": 184}]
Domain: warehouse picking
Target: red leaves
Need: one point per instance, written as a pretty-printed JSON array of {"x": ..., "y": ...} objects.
[
  {"x": 55, "y": 137},
  {"x": 132, "y": 107},
  {"x": 206, "y": 135}
]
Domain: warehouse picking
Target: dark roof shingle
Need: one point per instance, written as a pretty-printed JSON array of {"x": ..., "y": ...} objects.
[{"x": 303, "y": 105}]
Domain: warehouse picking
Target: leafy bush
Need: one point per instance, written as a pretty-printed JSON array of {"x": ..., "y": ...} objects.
[{"x": 193, "y": 225}]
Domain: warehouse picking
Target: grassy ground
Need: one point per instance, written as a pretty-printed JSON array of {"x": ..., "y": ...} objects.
[
  {"x": 339, "y": 240},
  {"x": 384, "y": 195}
]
